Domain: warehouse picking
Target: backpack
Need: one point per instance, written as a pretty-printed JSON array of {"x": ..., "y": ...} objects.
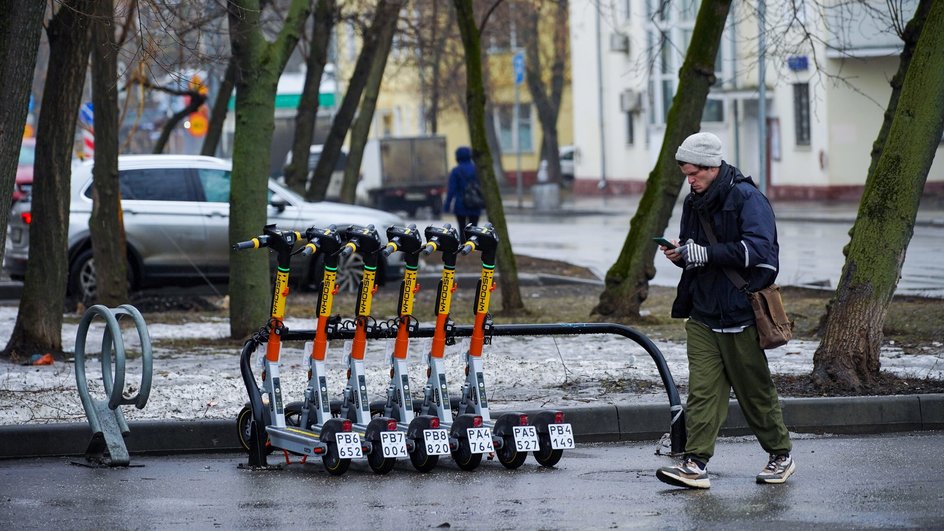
[{"x": 472, "y": 196}]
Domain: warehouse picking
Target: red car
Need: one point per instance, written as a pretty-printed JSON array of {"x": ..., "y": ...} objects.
[{"x": 24, "y": 170}]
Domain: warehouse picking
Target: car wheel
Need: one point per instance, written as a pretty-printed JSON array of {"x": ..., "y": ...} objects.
[
  {"x": 350, "y": 271},
  {"x": 82, "y": 283}
]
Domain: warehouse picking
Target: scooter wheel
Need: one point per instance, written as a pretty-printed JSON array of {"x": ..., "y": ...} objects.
[
  {"x": 509, "y": 456},
  {"x": 421, "y": 460},
  {"x": 244, "y": 430},
  {"x": 464, "y": 457},
  {"x": 333, "y": 462},
  {"x": 378, "y": 463},
  {"x": 545, "y": 455}
]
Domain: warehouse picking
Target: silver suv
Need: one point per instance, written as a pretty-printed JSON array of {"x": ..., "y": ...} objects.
[{"x": 176, "y": 218}]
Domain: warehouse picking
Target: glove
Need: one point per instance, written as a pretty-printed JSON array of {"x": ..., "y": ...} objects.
[{"x": 694, "y": 255}]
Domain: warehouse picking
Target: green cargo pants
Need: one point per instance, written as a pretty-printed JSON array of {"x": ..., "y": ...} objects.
[{"x": 716, "y": 363}]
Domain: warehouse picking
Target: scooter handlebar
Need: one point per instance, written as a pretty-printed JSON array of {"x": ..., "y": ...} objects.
[
  {"x": 255, "y": 243},
  {"x": 466, "y": 249},
  {"x": 389, "y": 249},
  {"x": 308, "y": 250},
  {"x": 429, "y": 248},
  {"x": 348, "y": 249}
]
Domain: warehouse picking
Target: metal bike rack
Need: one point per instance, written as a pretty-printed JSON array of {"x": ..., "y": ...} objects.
[
  {"x": 107, "y": 447},
  {"x": 677, "y": 433}
]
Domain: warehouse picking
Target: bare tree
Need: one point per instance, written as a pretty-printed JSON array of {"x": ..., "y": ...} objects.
[
  {"x": 105, "y": 225},
  {"x": 386, "y": 13},
  {"x": 325, "y": 17},
  {"x": 547, "y": 91},
  {"x": 627, "y": 281},
  {"x": 38, "y": 327},
  {"x": 848, "y": 357},
  {"x": 259, "y": 66},
  {"x": 20, "y": 29},
  {"x": 475, "y": 102},
  {"x": 365, "y": 115}
]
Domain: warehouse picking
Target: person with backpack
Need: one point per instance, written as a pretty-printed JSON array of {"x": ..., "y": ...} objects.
[{"x": 464, "y": 194}]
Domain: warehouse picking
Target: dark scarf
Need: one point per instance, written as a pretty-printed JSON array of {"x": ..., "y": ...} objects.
[
  {"x": 713, "y": 197},
  {"x": 711, "y": 200}
]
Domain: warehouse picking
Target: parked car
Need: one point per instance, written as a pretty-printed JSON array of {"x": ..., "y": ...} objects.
[
  {"x": 176, "y": 219},
  {"x": 24, "y": 169},
  {"x": 566, "y": 155}
]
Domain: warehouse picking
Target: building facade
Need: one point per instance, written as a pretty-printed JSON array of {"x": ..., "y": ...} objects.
[{"x": 826, "y": 85}]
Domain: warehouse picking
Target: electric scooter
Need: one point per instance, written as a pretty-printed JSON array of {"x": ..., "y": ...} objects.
[
  {"x": 425, "y": 440},
  {"x": 548, "y": 435},
  {"x": 464, "y": 428},
  {"x": 264, "y": 420},
  {"x": 384, "y": 442}
]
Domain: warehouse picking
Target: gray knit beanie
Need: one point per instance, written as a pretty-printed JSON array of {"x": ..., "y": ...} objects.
[{"x": 700, "y": 149}]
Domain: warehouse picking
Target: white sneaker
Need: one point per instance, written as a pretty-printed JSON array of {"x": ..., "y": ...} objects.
[
  {"x": 689, "y": 473},
  {"x": 778, "y": 469}
]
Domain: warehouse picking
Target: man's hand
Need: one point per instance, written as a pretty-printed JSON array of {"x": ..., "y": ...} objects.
[{"x": 694, "y": 255}]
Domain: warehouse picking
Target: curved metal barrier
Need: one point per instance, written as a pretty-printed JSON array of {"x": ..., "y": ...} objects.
[
  {"x": 677, "y": 433},
  {"x": 109, "y": 427}
]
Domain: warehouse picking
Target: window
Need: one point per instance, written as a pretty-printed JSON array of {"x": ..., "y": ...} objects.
[
  {"x": 163, "y": 184},
  {"x": 630, "y": 132},
  {"x": 670, "y": 33},
  {"x": 504, "y": 120},
  {"x": 215, "y": 185},
  {"x": 801, "y": 113}
]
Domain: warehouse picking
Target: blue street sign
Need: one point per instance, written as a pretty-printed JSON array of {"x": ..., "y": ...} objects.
[
  {"x": 86, "y": 114},
  {"x": 518, "y": 63}
]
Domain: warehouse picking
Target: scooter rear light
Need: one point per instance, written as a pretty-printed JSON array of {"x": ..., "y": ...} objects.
[
  {"x": 559, "y": 417},
  {"x": 522, "y": 420},
  {"x": 477, "y": 422},
  {"x": 434, "y": 423},
  {"x": 391, "y": 425},
  {"x": 318, "y": 450},
  {"x": 27, "y": 217},
  {"x": 347, "y": 425}
]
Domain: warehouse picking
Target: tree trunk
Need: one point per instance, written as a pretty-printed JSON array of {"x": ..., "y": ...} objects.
[
  {"x": 475, "y": 98},
  {"x": 259, "y": 65},
  {"x": 20, "y": 29},
  {"x": 105, "y": 225},
  {"x": 548, "y": 105},
  {"x": 627, "y": 281},
  {"x": 848, "y": 357},
  {"x": 38, "y": 327},
  {"x": 352, "y": 97},
  {"x": 220, "y": 108},
  {"x": 365, "y": 116},
  {"x": 296, "y": 173}
]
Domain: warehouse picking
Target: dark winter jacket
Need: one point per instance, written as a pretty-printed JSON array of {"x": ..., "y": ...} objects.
[
  {"x": 459, "y": 177},
  {"x": 744, "y": 224}
]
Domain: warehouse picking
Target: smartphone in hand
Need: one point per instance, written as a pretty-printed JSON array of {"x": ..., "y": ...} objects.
[{"x": 666, "y": 243}]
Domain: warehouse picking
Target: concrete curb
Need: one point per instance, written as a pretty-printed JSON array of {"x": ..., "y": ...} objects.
[{"x": 843, "y": 415}]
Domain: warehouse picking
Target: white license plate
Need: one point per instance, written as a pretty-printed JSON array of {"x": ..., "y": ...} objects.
[
  {"x": 415, "y": 197},
  {"x": 562, "y": 436},
  {"x": 393, "y": 444},
  {"x": 436, "y": 441},
  {"x": 526, "y": 438},
  {"x": 349, "y": 445},
  {"x": 480, "y": 440}
]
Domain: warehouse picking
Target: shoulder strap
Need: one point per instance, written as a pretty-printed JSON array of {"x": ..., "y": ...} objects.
[{"x": 733, "y": 275}]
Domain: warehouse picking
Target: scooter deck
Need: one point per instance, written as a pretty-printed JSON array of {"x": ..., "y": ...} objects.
[{"x": 296, "y": 440}]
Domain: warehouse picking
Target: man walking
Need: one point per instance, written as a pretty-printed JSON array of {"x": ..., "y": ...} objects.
[{"x": 727, "y": 223}]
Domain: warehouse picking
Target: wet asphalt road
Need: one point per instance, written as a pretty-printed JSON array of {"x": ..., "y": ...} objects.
[{"x": 880, "y": 482}]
